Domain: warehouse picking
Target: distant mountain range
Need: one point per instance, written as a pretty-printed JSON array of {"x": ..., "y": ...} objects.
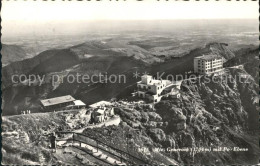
[{"x": 108, "y": 56}]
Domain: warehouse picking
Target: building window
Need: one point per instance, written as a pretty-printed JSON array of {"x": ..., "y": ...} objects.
[{"x": 149, "y": 87}]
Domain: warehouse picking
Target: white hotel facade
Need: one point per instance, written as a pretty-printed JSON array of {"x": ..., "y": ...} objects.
[
  {"x": 154, "y": 90},
  {"x": 208, "y": 64}
]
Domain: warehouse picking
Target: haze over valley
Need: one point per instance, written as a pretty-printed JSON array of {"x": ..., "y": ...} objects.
[{"x": 170, "y": 38}]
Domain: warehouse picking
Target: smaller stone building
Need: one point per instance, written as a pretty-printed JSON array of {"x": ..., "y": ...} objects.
[{"x": 102, "y": 114}]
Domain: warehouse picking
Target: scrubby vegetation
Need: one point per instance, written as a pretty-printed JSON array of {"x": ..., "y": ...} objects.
[{"x": 207, "y": 115}]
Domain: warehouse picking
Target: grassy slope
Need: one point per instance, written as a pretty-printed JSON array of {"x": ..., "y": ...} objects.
[{"x": 28, "y": 150}]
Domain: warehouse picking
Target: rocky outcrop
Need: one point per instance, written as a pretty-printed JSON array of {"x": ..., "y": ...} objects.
[
  {"x": 157, "y": 134},
  {"x": 212, "y": 111},
  {"x": 221, "y": 49},
  {"x": 208, "y": 114},
  {"x": 248, "y": 57}
]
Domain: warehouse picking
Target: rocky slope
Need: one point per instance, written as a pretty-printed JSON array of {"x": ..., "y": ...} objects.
[
  {"x": 218, "y": 114},
  {"x": 248, "y": 57},
  {"x": 213, "y": 112},
  {"x": 221, "y": 49},
  {"x": 208, "y": 114}
]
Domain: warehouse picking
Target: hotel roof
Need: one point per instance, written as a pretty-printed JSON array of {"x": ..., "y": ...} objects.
[
  {"x": 57, "y": 100},
  {"x": 209, "y": 57}
]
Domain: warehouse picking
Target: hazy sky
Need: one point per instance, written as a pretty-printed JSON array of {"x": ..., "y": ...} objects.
[{"x": 20, "y": 16}]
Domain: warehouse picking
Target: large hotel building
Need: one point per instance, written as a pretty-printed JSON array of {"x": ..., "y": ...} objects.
[{"x": 208, "y": 64}]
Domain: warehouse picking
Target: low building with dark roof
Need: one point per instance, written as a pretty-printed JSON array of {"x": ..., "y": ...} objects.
[{"x": 58, "y": 103}]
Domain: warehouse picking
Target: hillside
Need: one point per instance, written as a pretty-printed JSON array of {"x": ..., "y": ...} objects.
[
  {"x": 208, "y": 114},
  {"x": 29, "y": 145},
  {"x": 114, "y": 46},
  {"x": 221, "y": 49},
  {"x": 250, "y": 60},
  {"x": 24, "y": 66},
  {"x": 89, "y": 58},
  {"x": 12, "y": 53},
  {"x": 27, "y": 97},
  {"x": 221, "y": 114}
]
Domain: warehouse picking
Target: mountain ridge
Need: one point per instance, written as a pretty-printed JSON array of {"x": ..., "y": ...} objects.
[{"x": 52, "y": 61}]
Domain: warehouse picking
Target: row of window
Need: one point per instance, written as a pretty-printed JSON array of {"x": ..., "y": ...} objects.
[
  {"x": 144, "y": 87},
  {"x": 220, "y": 64},
  {"x": 211, "y": 63},
  {"x": 212, "y": 60},
  {"x": 210, "y": 66},
  {"x": 209, "y": 70}
]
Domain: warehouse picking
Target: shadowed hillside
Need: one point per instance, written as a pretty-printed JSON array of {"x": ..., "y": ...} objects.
[
  {"x": 12, "y": 53},
  {"x": 248, "y": 57},
  {"x": 90, "y": 58},
  {"x": 207, "y": 115}
]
